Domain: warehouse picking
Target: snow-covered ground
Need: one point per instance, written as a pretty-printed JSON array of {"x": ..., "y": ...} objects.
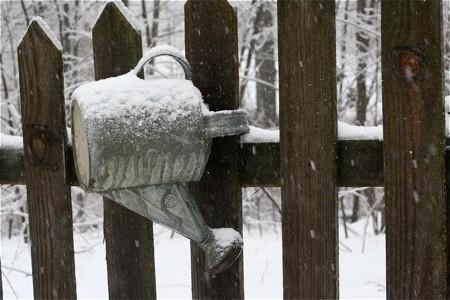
[{"x": 362, "y": 275}]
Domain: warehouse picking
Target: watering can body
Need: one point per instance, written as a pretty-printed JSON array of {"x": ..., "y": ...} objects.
[{"x": 142, "y": 133}]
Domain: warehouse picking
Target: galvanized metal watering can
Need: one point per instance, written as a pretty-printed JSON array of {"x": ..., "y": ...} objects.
[{"x": 139, "y": 142}]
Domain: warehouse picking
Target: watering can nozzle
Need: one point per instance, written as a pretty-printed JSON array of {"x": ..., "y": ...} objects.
[
  {"x": 172, "y": 205},
  {"x": 221, "y": 253}
]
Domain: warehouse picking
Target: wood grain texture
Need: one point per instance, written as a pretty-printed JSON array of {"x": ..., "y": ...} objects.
[
  {"x": 413, "y": 114},
  {"x": 129, "y": 236},
  {"x": 212, "y": 50},
  {"x": 260, "y": 164},
  {"x": 45, "y": 140},
  {"x": 447, "y": 185},
  {"x": 307, "y": 71},
  {"x": 359, "y": 163}
]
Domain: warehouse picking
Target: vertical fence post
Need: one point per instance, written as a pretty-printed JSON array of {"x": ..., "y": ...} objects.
[
  {"x": 212, "y": 50},
  {"x": 414, "y": 149},
  {"x": 129, "y": 236},
  {"x": 1, "y": 283},
  {"x": 447, "y": 191},
  {"x": 307, "y": 68},
  {"x": 45, "y": 141}
]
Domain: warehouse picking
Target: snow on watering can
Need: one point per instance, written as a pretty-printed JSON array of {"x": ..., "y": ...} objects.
[{"x": 139, "y": 142}]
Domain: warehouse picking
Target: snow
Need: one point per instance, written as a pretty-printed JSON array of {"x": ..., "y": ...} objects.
[
  {"x": 69, "y": 135},
  {"x": 11, "y": 142},
  {"x": 352, "y": 132},
  {"x": 113, "y": 96},
  {"x": 91, "y": 91},
  {"x": 362, "y": 275},
  {"x": 47, "y": 31},
  {"x": 345, "y": 132},
  {"x": 226, "y": 236},
  {"x": 259, "y": 135},
  {"x": 16, "y": 142}
]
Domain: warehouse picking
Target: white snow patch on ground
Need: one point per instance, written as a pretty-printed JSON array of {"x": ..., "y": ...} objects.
[{"x": 362, "y": 275}]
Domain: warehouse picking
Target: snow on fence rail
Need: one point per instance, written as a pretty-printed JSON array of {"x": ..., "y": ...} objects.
[{"x": 411, "y": 163}]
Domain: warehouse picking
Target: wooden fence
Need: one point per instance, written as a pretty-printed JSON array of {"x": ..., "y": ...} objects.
[{"x": 309, "y": 163}]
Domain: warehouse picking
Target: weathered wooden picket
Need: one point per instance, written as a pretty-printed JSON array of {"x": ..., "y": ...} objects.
[{"x": 309, "y": 163}]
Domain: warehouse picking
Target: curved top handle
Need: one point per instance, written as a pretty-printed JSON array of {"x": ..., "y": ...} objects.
[{"x": 168, "y": 51}]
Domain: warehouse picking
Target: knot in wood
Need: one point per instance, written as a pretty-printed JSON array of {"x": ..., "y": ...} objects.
[
  {"x": 410, "y": 64},
  {"x": 41, "y": 144},
  {"x": 38, "y": 147}
]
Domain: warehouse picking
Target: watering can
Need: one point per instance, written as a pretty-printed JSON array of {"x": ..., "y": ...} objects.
[{"x": 139, "y": 142}]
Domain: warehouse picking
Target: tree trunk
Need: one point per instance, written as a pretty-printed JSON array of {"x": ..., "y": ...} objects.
[
  {"x": 155, "y": 22},
  {"x": 265, "y": 68},
  {"x": 362, "y": 41},
  {"x": 147, "y": 27},
  {"x": 341, "y": 71},
  {"x": 150, "y": 35}
]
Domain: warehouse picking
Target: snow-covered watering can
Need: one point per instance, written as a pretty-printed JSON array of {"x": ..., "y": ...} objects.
[{"x": 139, "y": 142}]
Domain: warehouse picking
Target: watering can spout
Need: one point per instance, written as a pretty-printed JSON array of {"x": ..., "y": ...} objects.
[
  {"x": 173, "y": 206},
  {"x": 226, "y": 122}
]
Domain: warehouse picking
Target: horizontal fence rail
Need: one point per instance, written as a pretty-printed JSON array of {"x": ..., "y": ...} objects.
[{"x": 359, "y": 164}]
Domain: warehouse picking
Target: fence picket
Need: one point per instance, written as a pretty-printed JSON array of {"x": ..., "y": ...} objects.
[
  {"x": 414, "y": 149},
  {"x": 307, "y": 72},
  {"x": 212, "y": 50},
  {"x": 129, "y": 236},
  {"x": 45, "y": 141}
]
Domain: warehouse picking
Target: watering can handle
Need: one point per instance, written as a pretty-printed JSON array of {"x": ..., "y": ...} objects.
[
  {"x": 218, "y": 124},
  {"x": 164, "y": 51}
]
